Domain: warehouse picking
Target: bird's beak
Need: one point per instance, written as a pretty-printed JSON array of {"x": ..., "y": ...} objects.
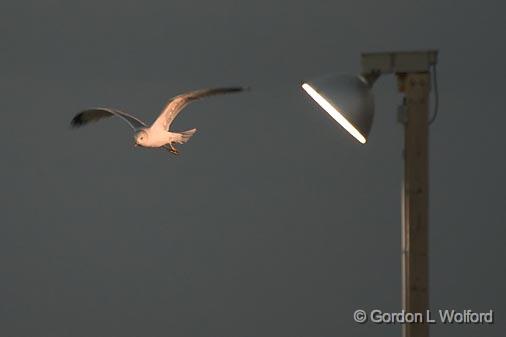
[{"x": 136, "y": 145}]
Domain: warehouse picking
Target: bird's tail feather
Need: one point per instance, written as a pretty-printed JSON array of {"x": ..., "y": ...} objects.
[{"x": 186, "y": 135}]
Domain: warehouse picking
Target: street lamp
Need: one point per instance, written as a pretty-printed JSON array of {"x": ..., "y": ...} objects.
[{"x": 349, "y": 100}]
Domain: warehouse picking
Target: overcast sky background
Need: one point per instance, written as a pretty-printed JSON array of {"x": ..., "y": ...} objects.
[{"x": 273, "y": 221}]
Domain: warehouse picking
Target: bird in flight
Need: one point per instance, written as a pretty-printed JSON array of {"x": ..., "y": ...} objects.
[{"x": 158, "y": 135}]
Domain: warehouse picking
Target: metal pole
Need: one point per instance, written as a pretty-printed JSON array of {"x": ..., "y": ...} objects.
[{"x": 415, "y": 290}]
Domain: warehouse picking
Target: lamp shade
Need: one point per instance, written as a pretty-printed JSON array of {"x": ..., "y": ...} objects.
[{"x": 348, "y": 99}]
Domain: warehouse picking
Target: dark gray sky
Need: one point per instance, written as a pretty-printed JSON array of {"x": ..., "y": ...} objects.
[{"x": 273, "y": 222}]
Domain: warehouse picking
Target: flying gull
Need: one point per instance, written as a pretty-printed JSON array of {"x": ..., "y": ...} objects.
[{"x": 158, "y": 135}]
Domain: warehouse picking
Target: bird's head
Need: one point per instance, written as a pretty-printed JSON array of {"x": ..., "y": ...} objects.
[{"x": 141, "y": 138}]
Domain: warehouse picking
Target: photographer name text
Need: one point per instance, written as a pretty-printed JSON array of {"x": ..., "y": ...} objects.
[{"x": 444, "y": 316}]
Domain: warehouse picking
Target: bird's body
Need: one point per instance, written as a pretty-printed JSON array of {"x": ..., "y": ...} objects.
[
  {"x": 156, "y": 137},
  {"x": 158, "y": 134}
]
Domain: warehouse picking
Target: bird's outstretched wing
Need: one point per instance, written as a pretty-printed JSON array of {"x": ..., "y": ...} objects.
[
  {"x": 176, "y": 104},
  {"x": 95, "y": 114}
]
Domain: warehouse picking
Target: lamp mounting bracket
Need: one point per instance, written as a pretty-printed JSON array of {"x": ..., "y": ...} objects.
[{"x": 398, "y": 62}]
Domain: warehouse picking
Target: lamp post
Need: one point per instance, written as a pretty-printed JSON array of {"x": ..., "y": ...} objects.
[{"x": 349, "y": 100}]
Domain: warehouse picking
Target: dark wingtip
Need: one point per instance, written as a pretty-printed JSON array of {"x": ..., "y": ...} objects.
[
  {"x": 238, "y": 89},
  {"x": 233, "y": 89},
  {"x": 77, "y": 121}
]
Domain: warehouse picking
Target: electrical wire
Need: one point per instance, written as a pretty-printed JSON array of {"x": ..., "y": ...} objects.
[{"x": 436, "y": 95}]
